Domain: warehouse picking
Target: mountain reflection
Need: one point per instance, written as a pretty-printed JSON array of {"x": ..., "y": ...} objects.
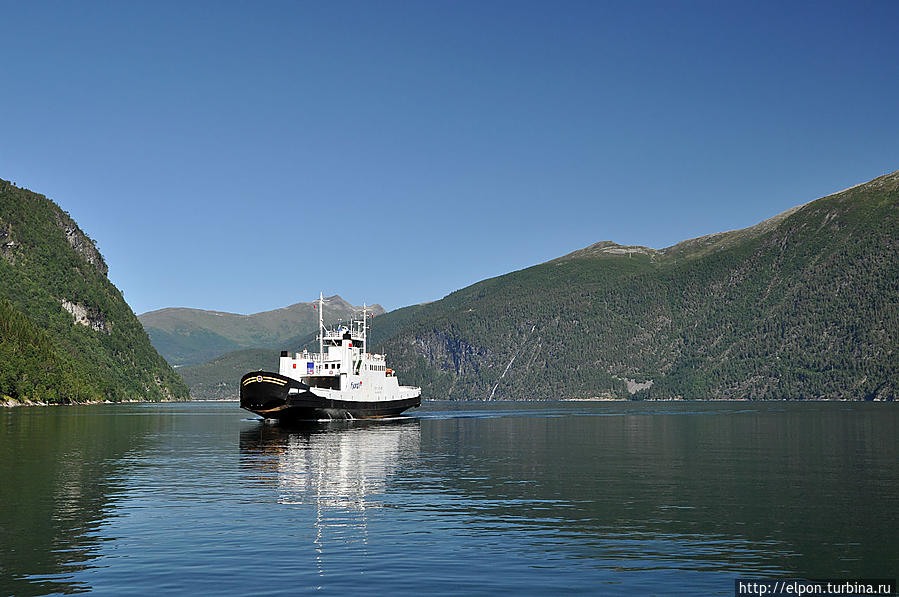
[{"x": 60, "y": 476}]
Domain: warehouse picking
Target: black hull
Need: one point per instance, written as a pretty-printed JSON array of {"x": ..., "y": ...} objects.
[{"x": 275, "y": 396}]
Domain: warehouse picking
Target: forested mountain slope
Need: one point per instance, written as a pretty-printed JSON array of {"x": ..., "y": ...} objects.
[
  {"x": 802, "y": 306},
  {"x": 66, "y": 333}
]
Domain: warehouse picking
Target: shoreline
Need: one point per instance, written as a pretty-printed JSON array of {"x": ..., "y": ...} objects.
[
  {"x": 16, "y": 403},
  {"x": 29, "y": 403}
]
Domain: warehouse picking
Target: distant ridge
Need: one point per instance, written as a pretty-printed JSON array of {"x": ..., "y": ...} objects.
[{"x": 186, "y": 336}]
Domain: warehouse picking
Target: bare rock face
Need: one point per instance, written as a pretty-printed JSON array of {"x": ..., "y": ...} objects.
[
  {"x": 87, "y": 317},
  {"x": 79, "y": 241},
  {"x": 449, "y": 353},
  {"x": 634, "y": 386},
  {"x": 7, "y": 243}
]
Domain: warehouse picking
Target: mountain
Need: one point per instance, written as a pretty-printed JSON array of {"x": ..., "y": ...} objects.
[
  {"x": 66, "y": 333},
  {"x": 804, "y": 305},
  {"x": 193, "y": 336}
]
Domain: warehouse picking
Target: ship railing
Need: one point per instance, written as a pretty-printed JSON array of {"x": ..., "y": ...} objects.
[
  {"x": 318, "y": 358},
  {"x": 355, "y": 334},
  {"x": 309, "y": 356}
]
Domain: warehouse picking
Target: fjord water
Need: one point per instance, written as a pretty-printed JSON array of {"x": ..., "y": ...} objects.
[{"x": 457, "y": 498}]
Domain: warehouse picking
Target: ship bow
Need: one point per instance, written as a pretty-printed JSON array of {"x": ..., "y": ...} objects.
[{"x": 266, "y": 393}]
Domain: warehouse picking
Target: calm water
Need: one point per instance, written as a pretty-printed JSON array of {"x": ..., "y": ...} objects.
[{"x": 593, "y": 498}]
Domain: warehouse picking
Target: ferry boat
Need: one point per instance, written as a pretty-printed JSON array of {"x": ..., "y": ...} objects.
[{"x": 341, "y": 381}]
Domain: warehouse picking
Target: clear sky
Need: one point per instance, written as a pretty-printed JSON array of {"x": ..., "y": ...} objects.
[{"x": 242, "y": 156}]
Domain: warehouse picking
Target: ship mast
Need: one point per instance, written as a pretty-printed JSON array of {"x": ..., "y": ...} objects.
[
  {"x": 364, "y": 329},
  {"x": 321, "y": 326}
]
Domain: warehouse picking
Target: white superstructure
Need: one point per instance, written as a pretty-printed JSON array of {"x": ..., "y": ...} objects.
[{"x": 343, "y": 369}]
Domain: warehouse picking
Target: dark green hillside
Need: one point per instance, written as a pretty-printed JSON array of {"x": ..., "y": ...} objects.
[
  {"x": 31, "y": 366},
  {"x": 219, "y": 378},
  {"x": 193, "y": 336},
  {"x": 804, "y": 305},
  {"x": 66, "y": 334}
]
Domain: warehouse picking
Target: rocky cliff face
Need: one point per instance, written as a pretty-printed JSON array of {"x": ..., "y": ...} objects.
[
  {"x": 80, "y": 242},
  {"x": 95, "y": 320},
  {"x": 7, "y": 243}
]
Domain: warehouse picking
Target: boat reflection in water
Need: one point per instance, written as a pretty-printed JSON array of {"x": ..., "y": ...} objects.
[
  {"x": 324, "y": 481},
  {"x": 335, "y": 465}
]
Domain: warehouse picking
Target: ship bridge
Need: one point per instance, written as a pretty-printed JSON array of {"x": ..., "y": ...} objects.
[{"x": 342, "y": 361}]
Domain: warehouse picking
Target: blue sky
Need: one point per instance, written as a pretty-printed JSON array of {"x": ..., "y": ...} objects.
[{"x": 242, "y": 156}]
